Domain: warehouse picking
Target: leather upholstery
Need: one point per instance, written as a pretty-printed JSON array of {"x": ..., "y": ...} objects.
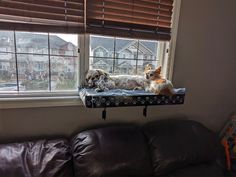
[
  {"x": 209, "y": 169},
  {"x": 113, "y": 151},
  {"x": 163, "y": 148},
  {"x": 177, "y": 143},
  {"x": 36, "y": 159}
]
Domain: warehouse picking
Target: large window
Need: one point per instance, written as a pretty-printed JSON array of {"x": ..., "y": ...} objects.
[
  {"x": 124, "y": 56},
  {"x": 38, "y": 62}
]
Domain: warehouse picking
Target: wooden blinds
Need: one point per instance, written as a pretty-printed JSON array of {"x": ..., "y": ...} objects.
[
  {"x": 150, "y": 19},
  {"x": 42, "y": 15}
]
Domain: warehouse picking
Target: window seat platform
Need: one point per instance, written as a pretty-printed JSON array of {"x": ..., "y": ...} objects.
[{"x": 123, "y": 98}]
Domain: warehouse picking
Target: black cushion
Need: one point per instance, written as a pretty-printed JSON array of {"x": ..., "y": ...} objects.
[
  {"x": 178, "y": 143},
  {"x": 113, "y": 151},
  {"x": 36, "y": 159}
]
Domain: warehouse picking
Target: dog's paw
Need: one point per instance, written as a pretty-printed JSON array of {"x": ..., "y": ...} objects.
[
  {"x": 138, "y": 88},
  {"x": 99, "y": 90}
]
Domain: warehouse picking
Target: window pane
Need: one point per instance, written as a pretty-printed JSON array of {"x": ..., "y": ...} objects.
[
  {"x": 36, "y": 43},
  {"x": 102, "y": 53},
  {"x": 33, "y": 72},
  {"x": 126, "y": 48},
  {"x": 7, "y": 41},
  {"x": 101, "y": 47},
  {"x": 63, "y": 44},
  {"x": 7, "y": 72},
  {"x": 64, "y": 72},
  {"x": 126, "y": 53},
  {"x": 105, "y": 64},
  {"x": 147, "y": 50},
  {"x": 142, "y": 63},
  {"x": 125, "y": 66},
  {"x": 130, "y": 55}
]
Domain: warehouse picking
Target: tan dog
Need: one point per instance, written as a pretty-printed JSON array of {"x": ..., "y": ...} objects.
[
  {"x": 97, "y": 78},
  {"x": 158, "y": 85}
]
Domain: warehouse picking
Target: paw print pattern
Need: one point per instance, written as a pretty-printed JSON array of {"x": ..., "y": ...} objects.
[{"x": 99, "y": 101}]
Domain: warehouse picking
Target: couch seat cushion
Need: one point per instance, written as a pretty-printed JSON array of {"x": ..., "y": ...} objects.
[
  {"x": 177, "y": 143},
  {"x": 112, "y": 151}
]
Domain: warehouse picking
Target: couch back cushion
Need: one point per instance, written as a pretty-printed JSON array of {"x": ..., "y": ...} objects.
[
  {"x": 177, "y": 143},
  {"x": 111, "y": 151},
  {"x": 36, "y": 159}
]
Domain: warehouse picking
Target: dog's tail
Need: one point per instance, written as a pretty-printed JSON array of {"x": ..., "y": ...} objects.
[{"x": 168, "y": 90}]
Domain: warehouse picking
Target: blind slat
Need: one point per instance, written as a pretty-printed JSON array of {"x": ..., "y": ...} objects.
[
  {"x": 128, "y": 14},
  {"x": 43, "y": 9},
  {"x": 129, "y": 6},
  {"x": 51, "y": 3},
  {"x": 149, "y": 22},
  {"x": 125, "y": 9}
]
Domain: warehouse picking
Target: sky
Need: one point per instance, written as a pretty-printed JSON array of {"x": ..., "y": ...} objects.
[{"x": 73, "y": 38}]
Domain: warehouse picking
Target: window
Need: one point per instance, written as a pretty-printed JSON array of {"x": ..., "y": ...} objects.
[
  {"x": 38, "y": 62},
  {"x": 42, "y": 61},
  {"x": 124, "y": 56}
]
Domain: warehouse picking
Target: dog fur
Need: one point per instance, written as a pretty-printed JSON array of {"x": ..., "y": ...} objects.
[
  {"x": 102, "y": 81},
  {"x": 158, "y": 85}
]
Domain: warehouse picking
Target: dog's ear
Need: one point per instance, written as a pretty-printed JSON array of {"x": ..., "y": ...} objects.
[
  {"x": 147, "y": 68},
  {"x": 158, "y": 70},
  {"x": 99, "y": 71}
]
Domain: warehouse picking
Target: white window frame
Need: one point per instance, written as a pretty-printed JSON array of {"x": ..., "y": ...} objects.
[{"x": 72, "y": 98}]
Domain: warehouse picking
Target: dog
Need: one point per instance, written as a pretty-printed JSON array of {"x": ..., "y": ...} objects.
[
  {"x": 102, "y": 81},
  {"x": 158, "y": 84}
]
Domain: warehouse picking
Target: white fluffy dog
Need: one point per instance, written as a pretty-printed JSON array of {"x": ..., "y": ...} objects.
[{"x": 102, "y": 81}]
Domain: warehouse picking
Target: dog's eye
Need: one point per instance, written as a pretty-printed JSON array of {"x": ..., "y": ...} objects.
[
  {"x": 96, "y": 76},
  {"x": 151, "y": 75}
]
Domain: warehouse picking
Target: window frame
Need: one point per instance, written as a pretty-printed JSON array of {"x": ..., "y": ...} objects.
[{"x": 71, "y": 98}]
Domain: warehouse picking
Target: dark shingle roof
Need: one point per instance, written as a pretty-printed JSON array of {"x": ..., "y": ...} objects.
[
  {"x": 30, "y": 39},
  {"x": 108, "y": 43}
]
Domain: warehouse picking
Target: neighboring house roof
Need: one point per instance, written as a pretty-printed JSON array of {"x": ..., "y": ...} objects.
[
  {"x": 29, "y": 39},
  {"x": 105, "y": 62},
  {"x": 108, "y": 43},
  {"x": 125, "y": 63},
  {"x": 100, "y": 47}
]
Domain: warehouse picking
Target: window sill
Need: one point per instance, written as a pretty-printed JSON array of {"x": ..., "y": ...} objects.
[{"x": 35, "y": 102}]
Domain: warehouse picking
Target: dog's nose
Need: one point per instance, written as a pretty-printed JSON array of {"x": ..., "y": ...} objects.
[{"x": 90, "y": 83}]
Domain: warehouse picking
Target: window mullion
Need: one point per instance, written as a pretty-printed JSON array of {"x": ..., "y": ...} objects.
[
  {"x": 15, "y": 50},
  {"x": 84, "y": 57},
  {"x": 136, "y": 65},
  {"x": 114, "y": 56},
  {"x": 49, "y": 65}
]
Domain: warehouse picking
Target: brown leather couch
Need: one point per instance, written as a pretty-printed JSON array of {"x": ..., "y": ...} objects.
[{"x": 173, "y": 148}]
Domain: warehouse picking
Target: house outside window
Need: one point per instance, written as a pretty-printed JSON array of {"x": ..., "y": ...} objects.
[
  {"x": 42, "y": 62},
  {"x": 131, "y": 55}
]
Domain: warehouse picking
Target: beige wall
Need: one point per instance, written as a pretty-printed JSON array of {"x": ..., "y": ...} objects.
[{"x": 205, "y": 64}]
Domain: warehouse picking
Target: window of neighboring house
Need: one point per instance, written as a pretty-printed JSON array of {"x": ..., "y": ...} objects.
[
  {"x": 99, "y": 53},
  {"x": 35, "y": 63},
  {"x": 126, "y": 56}
]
